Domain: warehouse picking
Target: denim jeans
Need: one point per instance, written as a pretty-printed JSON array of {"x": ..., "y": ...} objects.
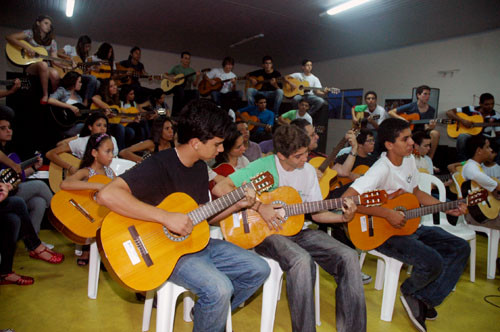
[
  {"x": 225, "y": 99},
  {"x": 296, "y": 256},
  {"x": 37, "y": 196},
  {"x": 315, "y": 102},
  {"x": 438, "y": 260},
  {"x": 277, "y": 95},
  {"x": 14, "y": 221},
  {"x": 216, "y": 274},
  {"x": 90, "y": 85}
]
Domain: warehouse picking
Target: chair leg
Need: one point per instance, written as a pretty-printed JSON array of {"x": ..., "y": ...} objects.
[
  {"x": 492, "y": 253},
  {"x": 229, "y": 322},
  {"x": 317, "y": 297},
  {"x": 362, "y": 257},
  {"x": 270, "y": 296},
  {"x": 392, "y": 270},
  {"x": 165, "y": 306},
  {"x": 94, "y": 267},
  {"x": 379, "y": 278},
  {"x": 148, "y": 308},
  {"x": 472, "y": 265},
  {"x": 188, "y": 304}
]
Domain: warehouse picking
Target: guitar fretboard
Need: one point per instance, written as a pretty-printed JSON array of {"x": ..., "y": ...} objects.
[
  {"x": 430, "y": 209},
  {"x": 220, "y": 204},
  {"x": 311, "y": 207}
]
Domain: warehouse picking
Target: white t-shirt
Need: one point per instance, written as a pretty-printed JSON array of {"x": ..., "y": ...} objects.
[
  {"x": 242, "y": 162},
  {"x": 472, "y": 171},
  {"x": 70, "y": 51},
  {"x": 379, "y": 110},
  {"x": 425, "y": 162},
  {"x": 304, "y": 180},
  {"x": 384, "y": 175},
  {"x": 78, "y": 146},
  {"x": 220, "y": 73},
  {"x": 311, "y": 79},
  {"x": 492, "y": 171}
]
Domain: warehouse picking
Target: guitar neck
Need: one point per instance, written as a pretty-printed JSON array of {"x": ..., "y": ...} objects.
[
  {"x": 430, "y": 209},
  {"x": 258, "y": 124},
  {"x": 29, "y": 162},
  {"x": 51, "y": 58},
  {"x": 212, "y": 208},
  {"x": 311, "y": 207},
  {"x": 486, "y": 124},
  {"x": 332, "y": 155}
]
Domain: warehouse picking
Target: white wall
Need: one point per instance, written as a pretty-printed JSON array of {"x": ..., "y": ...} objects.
[{"x": 394, "y": 73}]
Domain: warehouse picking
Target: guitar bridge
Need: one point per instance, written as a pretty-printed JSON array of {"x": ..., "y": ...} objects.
[
  {"x": 81, "y": 210},
  {"x": 140, "y": 245}
]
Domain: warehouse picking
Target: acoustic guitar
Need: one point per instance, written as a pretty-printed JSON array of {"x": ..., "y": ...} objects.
[
  {"x": 247, "y": 229},
  {"x": 8, "y": 175},
  {"x": 414, "y": 119},
  {"x": 57, "y": 174},
  {"x": 77, "y": 214},
  {"x": 369, "y": 232},
  {"x": 81, "y": 66},
  {"x": 205, "y": 87},
  {"x": 119, "y": 114},
  {"x": 126, "y": 75},
  {"x": 489, "y": 209},
  {"x": 141, "y": 255},
  {"x": 301, "y": 87},
  {"x": 457, "y": 128},
  {"x": 20, "y": 57},
  {"x": 260, "y": 81},
  {"x": 251, "y": 120},
  {"x": 25, "y": 83},
  {"x": 344, "y": 180},
  {"x": 178, "y": 79}
]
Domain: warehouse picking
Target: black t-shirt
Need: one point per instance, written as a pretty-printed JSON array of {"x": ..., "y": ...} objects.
[
  {"x": 163, "y": 174},
  {"x": 139, "y": 68},
  {"x": 368, "y": 160},
  {"x": 267, "y": 76}
]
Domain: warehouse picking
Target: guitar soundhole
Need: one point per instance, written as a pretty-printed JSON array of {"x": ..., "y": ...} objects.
[
  {"x": 281, "y": 210},
  {"x": 174, "y": 237}
]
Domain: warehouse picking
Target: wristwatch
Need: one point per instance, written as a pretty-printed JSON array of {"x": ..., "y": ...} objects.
[{"x": 353, "y": 154}]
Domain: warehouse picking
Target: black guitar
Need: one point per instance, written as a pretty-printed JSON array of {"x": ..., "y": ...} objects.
[
  {"x": 25, "y": 83},
  {"x": 65, "y": 117}
]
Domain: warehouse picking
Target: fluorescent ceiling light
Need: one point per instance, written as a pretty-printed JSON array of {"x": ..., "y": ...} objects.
[
  {"x": 70, "y": 5},
  {"x": 345, "y": 6}
]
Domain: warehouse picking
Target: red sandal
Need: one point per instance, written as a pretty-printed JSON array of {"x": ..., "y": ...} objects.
[
  {"x": 55, "y": 258},
  {"x": 22, "y": 281}
]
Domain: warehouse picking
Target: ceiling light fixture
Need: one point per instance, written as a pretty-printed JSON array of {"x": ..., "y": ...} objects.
[
  {"x": 70, "y": 5},
  {"x": 246, "y": 40},
  {"x": 343, "y": 7}
]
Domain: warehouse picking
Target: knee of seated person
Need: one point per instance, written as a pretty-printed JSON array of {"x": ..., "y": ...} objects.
[
  {"x": 42, "y": 65},
  {"x": 462, "y": 246},
  {"x": 219, "y": 290}
]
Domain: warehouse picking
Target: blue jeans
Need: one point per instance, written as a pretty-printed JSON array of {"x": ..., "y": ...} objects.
[
  {"x": 296, "y": 256},
  {"x": 216, "y": 274},
  {"x": 219, "y": 97},
  {"x": 438, "y": 260},
  {"x": 90, "y": 86},
  {"x": 277, "y": 95},
  {"x": 315, "y": 102}
]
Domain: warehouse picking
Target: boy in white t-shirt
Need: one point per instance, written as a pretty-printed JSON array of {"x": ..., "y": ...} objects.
[
  {"x": 296, "y": 254},
  {"x": 479, "y": 150},
  {"x": 438, "y": 258}
]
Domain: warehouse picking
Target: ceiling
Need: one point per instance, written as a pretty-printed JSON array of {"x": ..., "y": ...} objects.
[{"x": 293, "y": 29}]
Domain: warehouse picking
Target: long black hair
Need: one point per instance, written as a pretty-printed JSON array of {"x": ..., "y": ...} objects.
[
  {"x": 80, "y": 47},
  {"x": 69, "y": 80},
  {"x": 85, "y": 131},
  {"x": 94, "y": 143},
  {"x": 103, "y": 51},
  {"x": 232, "y": 136},
  {"x": 37, "y": 36},
  {"x": 157, "y": 128}
]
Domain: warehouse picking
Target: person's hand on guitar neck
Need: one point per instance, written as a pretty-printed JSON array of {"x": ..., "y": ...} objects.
[
  {"x": 74, "y": 109},
  {"x": 270, "y": 213},
  {"x": 462, "y": 209},
  {"x": 249, "y": 199},
  {"x": 349, "y": 210}
]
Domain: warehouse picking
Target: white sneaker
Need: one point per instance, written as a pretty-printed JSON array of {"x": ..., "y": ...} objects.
[{"x": 366, "y": 278}]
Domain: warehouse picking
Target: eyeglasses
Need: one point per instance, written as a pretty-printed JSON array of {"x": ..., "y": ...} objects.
[{"x": 370, "y": 140}]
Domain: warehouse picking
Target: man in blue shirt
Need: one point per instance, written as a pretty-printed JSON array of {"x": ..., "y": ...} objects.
[{"x": 262, "y": 127}]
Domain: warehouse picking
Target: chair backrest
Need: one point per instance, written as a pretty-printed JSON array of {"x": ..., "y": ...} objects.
[
  {"x": 425, "y": 183},
  {"x": 458, "y": 179}
]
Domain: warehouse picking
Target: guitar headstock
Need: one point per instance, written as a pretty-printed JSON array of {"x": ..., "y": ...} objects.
[
  {"x": 25, "y": 84},
  {"x": 477, "y": 196},
  {"x": 8, "y": 175},
  {"x": 262, "y": 182},
  {"x": 335, "y": 91},
  {"x": 373, "y": 198}
]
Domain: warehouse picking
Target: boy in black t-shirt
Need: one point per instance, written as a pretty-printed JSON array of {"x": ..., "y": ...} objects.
[{"x": 221, "y": 271}]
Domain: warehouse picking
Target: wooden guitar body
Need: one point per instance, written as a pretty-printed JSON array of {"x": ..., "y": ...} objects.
[
  {"x": 20, "y": 57},
  {"x": 328, "y": 175},
  {"x": 342, "y": 181},
  {"x": 300, "y": 86},
  {"x": 147, "y": 269},
  {"x": 489, "y": 209},
  {"x": 410, "y": 118},
  {"x": 103, "y": 71},
  {"x": 77, "y": 214},
  {"x": 57, "y": 174},
  {"x": 233, "y": 226},
  {"x": 369, "y": 232},
  {"x": 456, "y": 129},
  {"x": 205, "y": 87}
]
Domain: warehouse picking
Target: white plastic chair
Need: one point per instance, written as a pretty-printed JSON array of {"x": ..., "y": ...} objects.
[
  {"x": 461, "y": 230},
  {"x": 271, "y": 294},
  {"x": 167, "y": 295},
  {"x": 493, "y": 234},
  {"x": 387, "y": 277},
  {"x": 94, "y": 269}
]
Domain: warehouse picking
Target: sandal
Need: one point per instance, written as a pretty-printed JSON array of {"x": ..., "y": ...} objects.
[
  {"x": 82, "y": 261},
  {"x": 22, "y": 281},
  {"x": 55, "y": 258}
]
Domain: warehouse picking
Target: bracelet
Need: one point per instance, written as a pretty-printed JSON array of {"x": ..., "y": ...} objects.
[{"x": 34, "y": 169}]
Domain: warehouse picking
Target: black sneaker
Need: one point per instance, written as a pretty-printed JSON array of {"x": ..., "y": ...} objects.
[
  {"x": 431, "y": 314},
  {"x": 415, "y": 310}
]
